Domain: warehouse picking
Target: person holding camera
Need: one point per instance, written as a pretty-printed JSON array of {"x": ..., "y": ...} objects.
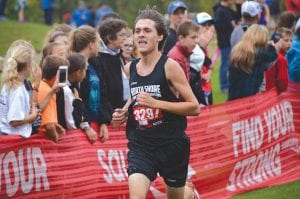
[
  {"x": 250, "y": 57},
  {"x": 53, "y": 131},
  {"x": 278, "y": 76}
]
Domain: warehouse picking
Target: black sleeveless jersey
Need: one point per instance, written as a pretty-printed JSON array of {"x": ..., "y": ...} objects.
[{"x": 150, "y": 126}]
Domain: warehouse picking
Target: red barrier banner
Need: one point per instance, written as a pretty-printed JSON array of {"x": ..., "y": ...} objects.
[{"x": 236, "y": 147}]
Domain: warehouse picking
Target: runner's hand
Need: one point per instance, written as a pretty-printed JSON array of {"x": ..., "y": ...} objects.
[
  {"x": 145, "y": 99},
  {"x": 119, "y": 117}
]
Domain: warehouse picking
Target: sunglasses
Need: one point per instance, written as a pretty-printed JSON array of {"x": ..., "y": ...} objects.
[{"x": 128, "y": 46}]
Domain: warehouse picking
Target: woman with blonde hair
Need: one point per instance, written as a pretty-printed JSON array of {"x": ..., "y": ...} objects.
[
  {"x": 16, "y": 108},
  {"x": 251, "y": 56}
]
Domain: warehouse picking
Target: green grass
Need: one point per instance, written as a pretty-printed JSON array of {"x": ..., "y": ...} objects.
[
  {"x": 218, "y": 96},
  {"x": 35, "y": 33},
  {"x": 287, "y": 191},
  {"x": 12, "y": 30}
]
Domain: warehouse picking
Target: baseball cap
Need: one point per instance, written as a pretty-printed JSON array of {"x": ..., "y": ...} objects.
[
  {"x": 251, "y": 7},
  {"x": 174, "y": 5},
  {"x": 202, "y": 18}
]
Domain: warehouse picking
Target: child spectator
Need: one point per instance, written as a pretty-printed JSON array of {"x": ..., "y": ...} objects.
[
  {"x": 36, "y": 76},
  {"x": 60, "y": 37},
  {"x": 73, "y": 109},
  {"x": 286, "y": 19},
  {"x": 17, "y": 110},
  {"x": 250, "y": 57},
  {"x": 187, "y": 34},
  {"x": 277, "y": 76},
  {"x": 54, "y": 48},
  {"x": 293, "y": 56},
  {"x": 206, "y": 34},
  {"x": 49, "y": 125}
]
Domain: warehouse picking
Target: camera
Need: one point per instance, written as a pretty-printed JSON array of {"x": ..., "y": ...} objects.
[
  {"x": 275, "y": 37},
  {"x": 63, "y": 74}
]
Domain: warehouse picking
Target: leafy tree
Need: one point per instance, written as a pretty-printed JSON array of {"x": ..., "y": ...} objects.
[{"x": 128, "y": 9}]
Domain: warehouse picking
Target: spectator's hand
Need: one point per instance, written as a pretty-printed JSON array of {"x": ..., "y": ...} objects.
[
  {"x": 37, "y": 76},
  {"x": 145, "y": 99},
  {"x": 206, "y": 36},
  {"x": 60, "y": 130},
  {"x": 206, "y": 76},
  {"x": 103, "y": 133},
  {"x": 34, "y": 112},
  {"x": 119, "y": 117},
  {"x": 91, "y": 135},
  {"x": 56, "y": 86},
  {"x": 52, "y": 136}
]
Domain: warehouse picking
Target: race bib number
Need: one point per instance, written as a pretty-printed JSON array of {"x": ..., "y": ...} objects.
[{"x": 147, "y": 117}]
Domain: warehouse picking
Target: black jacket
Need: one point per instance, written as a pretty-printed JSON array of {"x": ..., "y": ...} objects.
[
  {"x": 110, "y": 66},
  {"x": 223, "y": 18},
  {"x": 106, "y": 111}
]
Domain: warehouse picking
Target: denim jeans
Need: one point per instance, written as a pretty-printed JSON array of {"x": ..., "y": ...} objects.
[{"x": 223, "y": 73}]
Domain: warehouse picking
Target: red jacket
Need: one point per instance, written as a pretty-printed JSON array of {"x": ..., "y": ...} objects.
[
  {"x": 278, "y": 74},
  {"x": 182, "y": 57}
]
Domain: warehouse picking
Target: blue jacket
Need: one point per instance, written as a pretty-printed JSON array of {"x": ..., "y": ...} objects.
[
  {"x": 293, "y": 58},
  {"x": 242, "y": 84},
  {"x": 47, "y": 4},
  {"x": 81, "y": 17}
]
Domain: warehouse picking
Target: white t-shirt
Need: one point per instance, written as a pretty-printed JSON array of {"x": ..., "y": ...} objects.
[
  {"x": 14, "y": 106},
  {"x": 197, "y": 58},
  {"x": 69, "y": 98}
]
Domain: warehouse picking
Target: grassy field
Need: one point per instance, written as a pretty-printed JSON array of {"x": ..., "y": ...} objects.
[
  {"x": 36, "y": 33},
  {"x": 11, "y": 30}
]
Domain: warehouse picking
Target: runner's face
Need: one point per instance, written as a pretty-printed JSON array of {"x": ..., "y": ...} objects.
[{"x": 146, "y": 37}]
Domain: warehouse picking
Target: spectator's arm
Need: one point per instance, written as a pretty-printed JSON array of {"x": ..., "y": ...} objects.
[{"x": 54, "y": 131}]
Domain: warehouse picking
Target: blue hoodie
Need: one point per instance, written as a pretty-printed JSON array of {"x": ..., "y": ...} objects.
[
  {"x": 293, "y": 58},
  {"x": 47, "y": 4}
]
